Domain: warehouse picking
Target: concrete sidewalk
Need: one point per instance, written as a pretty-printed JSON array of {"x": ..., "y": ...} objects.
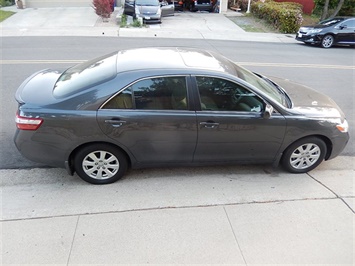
[
  {"x": 84, "y": 22},
  {"x": 238, "y": 215}
]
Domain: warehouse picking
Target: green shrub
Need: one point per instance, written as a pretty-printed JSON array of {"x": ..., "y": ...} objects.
[
  {"x": 284, "y": 16},
  {"x": 7, "y": 2},
  {"x": 123, "y": 20},
  {"x": 136, "y": 23}
]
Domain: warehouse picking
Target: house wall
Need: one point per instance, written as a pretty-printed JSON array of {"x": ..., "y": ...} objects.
[
  {"x": 56, "y": 3},
  {"x": 308, "y": 5}
]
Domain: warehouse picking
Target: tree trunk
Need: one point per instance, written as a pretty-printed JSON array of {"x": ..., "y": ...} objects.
[
  {"x": 340, "y": 4},
  {"x": 325, "y": 10}
]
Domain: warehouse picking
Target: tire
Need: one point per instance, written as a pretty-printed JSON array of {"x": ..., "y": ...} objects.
[
  {"x": 100, "y": 164},
  {"x": 304, "y": 155},
  {"x": 327, "y": 41}
]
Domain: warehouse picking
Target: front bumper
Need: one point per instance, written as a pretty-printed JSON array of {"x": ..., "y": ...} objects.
[
  {"x": 311, "y": 39},
  {"x": 150, "y": 18}
]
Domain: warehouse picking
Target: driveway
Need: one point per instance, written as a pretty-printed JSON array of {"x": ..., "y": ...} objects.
[{"x": 82, "y": 21}]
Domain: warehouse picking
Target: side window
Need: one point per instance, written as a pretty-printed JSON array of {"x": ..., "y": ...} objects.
[
  {"x": 349, "y": 24},
  {"x": 123, "y": 100},
  {"x": 166, "y": 93},
  {"x": 222, "y": 95}
]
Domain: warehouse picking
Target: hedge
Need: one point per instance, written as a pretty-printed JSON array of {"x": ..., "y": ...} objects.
[{"x": 284, "y": 16}]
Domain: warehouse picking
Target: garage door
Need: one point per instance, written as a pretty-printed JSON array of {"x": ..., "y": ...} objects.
[{"x": 57, "y": 3}]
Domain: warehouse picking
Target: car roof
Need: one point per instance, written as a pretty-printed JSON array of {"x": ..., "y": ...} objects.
[{"x": 171, "y": 58}]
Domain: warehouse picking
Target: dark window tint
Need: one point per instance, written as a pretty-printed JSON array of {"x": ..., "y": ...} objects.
[
  {"x": 223, "y": 95},
  {"x": 166, "y": 93}
]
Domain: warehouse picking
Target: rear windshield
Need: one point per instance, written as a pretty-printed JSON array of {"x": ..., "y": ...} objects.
[{"x": 85, "y": 75}]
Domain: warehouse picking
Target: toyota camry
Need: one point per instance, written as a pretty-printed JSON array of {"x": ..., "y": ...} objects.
[{"x": 172, "y": 106}]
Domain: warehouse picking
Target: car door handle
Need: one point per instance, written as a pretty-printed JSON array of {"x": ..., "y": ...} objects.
[
  {"x": 209, "y": 124},
  {"x": 115, "y": 123}
]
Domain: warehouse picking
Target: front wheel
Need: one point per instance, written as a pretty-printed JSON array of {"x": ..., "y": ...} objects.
[
  {"x": 100, "y": 164},
  {"x": 327, "y": 41},
  {"x": 304, "y": 155}
]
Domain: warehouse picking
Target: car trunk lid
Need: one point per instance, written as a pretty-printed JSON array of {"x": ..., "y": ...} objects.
[{"x": 38, "y": 88}]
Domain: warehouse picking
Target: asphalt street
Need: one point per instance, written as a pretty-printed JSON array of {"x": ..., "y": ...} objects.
[{"x": 236, "y": 215}]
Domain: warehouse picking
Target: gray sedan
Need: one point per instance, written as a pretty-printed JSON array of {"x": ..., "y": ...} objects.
[{"x": 172, "y": 106}]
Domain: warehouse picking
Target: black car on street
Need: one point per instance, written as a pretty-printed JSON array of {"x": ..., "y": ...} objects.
[{"x": 337, "y": 30}]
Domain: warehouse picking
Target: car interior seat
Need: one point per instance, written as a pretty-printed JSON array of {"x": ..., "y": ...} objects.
[{"x": 178, "y": 97}]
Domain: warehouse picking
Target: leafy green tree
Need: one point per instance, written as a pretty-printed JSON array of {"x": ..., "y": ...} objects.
[{"x": 331, "y": 8}]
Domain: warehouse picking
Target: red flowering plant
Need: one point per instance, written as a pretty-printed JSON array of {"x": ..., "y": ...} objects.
[{"x": 103, "y": 8}]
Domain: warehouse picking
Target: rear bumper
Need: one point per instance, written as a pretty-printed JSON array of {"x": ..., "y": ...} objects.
[
  {"x": 38, "y": 152},
  {"x": 200, "y": 7}
]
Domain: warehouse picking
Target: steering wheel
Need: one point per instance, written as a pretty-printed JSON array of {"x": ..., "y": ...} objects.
[{"x": 237, "y": 96}]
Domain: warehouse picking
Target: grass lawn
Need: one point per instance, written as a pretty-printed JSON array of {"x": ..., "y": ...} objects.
[{"x": 5, "y": 14}]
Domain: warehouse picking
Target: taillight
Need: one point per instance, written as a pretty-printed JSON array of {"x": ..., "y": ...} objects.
[{"x": 28, "y": 123}]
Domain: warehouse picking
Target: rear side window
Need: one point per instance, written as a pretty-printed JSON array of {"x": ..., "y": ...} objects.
[
  {"x": 85, "y": 75},
  {"x": 164, "y": 93}
]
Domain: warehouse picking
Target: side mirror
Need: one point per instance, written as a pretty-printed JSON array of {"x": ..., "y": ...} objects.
[
  {"x": 343, "y": 27},
  {"x": 268, "y": 111}
]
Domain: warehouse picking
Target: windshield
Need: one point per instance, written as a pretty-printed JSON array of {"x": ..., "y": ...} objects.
[
  {"x": 330, "y": 22},
  {"x": 86, "y": 75},
  {"x": 147, "y": 2},
  {"x": 264, "y": 85}
]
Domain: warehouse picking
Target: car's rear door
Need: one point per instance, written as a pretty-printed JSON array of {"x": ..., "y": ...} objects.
[
  {"x": 152, "y": 120},
  {"x": 231, "y": 126}
]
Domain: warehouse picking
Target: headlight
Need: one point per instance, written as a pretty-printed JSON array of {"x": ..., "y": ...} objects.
[
  {"x": 315, "y": 31},
  {"x": 137, "y": 11},
  {"x": 343, "y": 127},
  {"x": 159, "y": 11}
]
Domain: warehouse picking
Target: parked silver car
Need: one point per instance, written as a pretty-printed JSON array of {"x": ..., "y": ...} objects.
[
  {"x": 172, "y": 106},
  {"x": 148, "y": 10}
]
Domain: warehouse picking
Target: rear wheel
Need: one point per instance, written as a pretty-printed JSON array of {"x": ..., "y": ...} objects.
[
  {"x": 327, "y": 41},
  {"x": 304, "y": 155},
  {"x": 100, "y": 164}
]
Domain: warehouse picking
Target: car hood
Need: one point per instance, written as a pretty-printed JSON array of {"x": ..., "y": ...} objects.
[
  {"x": 38, "y": 88},
  {"x": 317, "y": 26},
  {"x": 309, "y": 102}
]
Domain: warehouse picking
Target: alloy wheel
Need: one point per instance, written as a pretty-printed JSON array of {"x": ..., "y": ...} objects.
[{"x": 305, "y": 156}]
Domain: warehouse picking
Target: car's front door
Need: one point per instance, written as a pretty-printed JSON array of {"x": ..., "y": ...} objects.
[
  {"x": 129, "y": 6},
  {"x": 167, "y": 8},
  {"x": 231, "y": 125},
  {"x": 151, "y": 119},
  {"x": 346, "y": 32}
]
